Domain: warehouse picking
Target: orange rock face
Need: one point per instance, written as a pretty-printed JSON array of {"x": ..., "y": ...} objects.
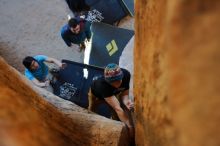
[
  {"x": 176, "y": 75},
  {"x": 20, "y": 123}
]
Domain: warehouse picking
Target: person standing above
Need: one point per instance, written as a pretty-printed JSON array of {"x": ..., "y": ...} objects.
[
  {"x": 112, "y": 88},
  {"x": 37, "y": 71},
  {"x": 76, "y": 32}
]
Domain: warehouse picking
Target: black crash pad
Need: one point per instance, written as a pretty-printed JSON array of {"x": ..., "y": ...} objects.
[
  {"x": 108, "y": 43},
  {"x": 77, "y": 6},
  {"x": 73, "y": 86},
  {"x": 107, "y": 11}
]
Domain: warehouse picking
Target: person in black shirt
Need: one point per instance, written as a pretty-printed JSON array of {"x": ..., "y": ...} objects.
[{"x": 106, "y": 88}]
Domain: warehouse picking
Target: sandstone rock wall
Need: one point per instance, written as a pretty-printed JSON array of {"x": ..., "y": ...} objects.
[
  {"x": 176, "y": 72},
  {"x": 20, "y": 123}
]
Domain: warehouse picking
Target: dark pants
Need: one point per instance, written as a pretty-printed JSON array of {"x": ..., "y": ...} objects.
[{"x": 94, "y": 102}]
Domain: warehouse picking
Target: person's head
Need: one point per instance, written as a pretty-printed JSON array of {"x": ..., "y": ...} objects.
[
  {"x": 30, "y": 63},
  {"x": 113, "y": 75},
  {"x": 74, "y": 25}
]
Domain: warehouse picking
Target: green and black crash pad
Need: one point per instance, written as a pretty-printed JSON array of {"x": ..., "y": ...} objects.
[
  {"x": 73, "y": 84},
  {"x": 108, "y": 42}
]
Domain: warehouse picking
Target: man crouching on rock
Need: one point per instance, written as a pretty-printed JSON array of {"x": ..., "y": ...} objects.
[
  {"x": 112, "y": 88},
  {"x": 37, "y": 71}
]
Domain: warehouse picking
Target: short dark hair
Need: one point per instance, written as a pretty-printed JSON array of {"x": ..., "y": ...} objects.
[
  {"x": 27, "y": 61},
  {"x": 73, "y": 22}
]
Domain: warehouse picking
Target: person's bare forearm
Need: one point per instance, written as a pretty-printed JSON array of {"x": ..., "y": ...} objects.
[
  {"x": 127, "y": 102},
  {"x": 114, "y": 103},
  {"x": 40, "y": 84},
  {"x": 123, "y": 117},
  {"x": 55, "y": 61},
  {"x": 125, "y": 98}
]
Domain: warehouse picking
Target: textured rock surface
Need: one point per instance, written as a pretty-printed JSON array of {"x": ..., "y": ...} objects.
[
  {"x": 29, "y": 119},
  {"x": 176, "y": 74}
]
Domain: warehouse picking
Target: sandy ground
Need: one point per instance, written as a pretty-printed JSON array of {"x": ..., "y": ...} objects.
[{"x": 31, "y": 27}]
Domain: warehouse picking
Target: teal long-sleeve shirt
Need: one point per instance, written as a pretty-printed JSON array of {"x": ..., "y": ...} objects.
[{"x": 69, "y": 37}]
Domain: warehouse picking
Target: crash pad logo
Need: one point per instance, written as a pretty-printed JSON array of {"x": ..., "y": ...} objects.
[
  {"x": 67, "y": 90},
  {"x": 112, "y": 47},
  {"x": 94, "y": 16}
]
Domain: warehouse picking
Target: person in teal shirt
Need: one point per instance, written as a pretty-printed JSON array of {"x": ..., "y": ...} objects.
[
  {"x": 77, "y": 31},
  {"x": 37, "y": 71}
]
